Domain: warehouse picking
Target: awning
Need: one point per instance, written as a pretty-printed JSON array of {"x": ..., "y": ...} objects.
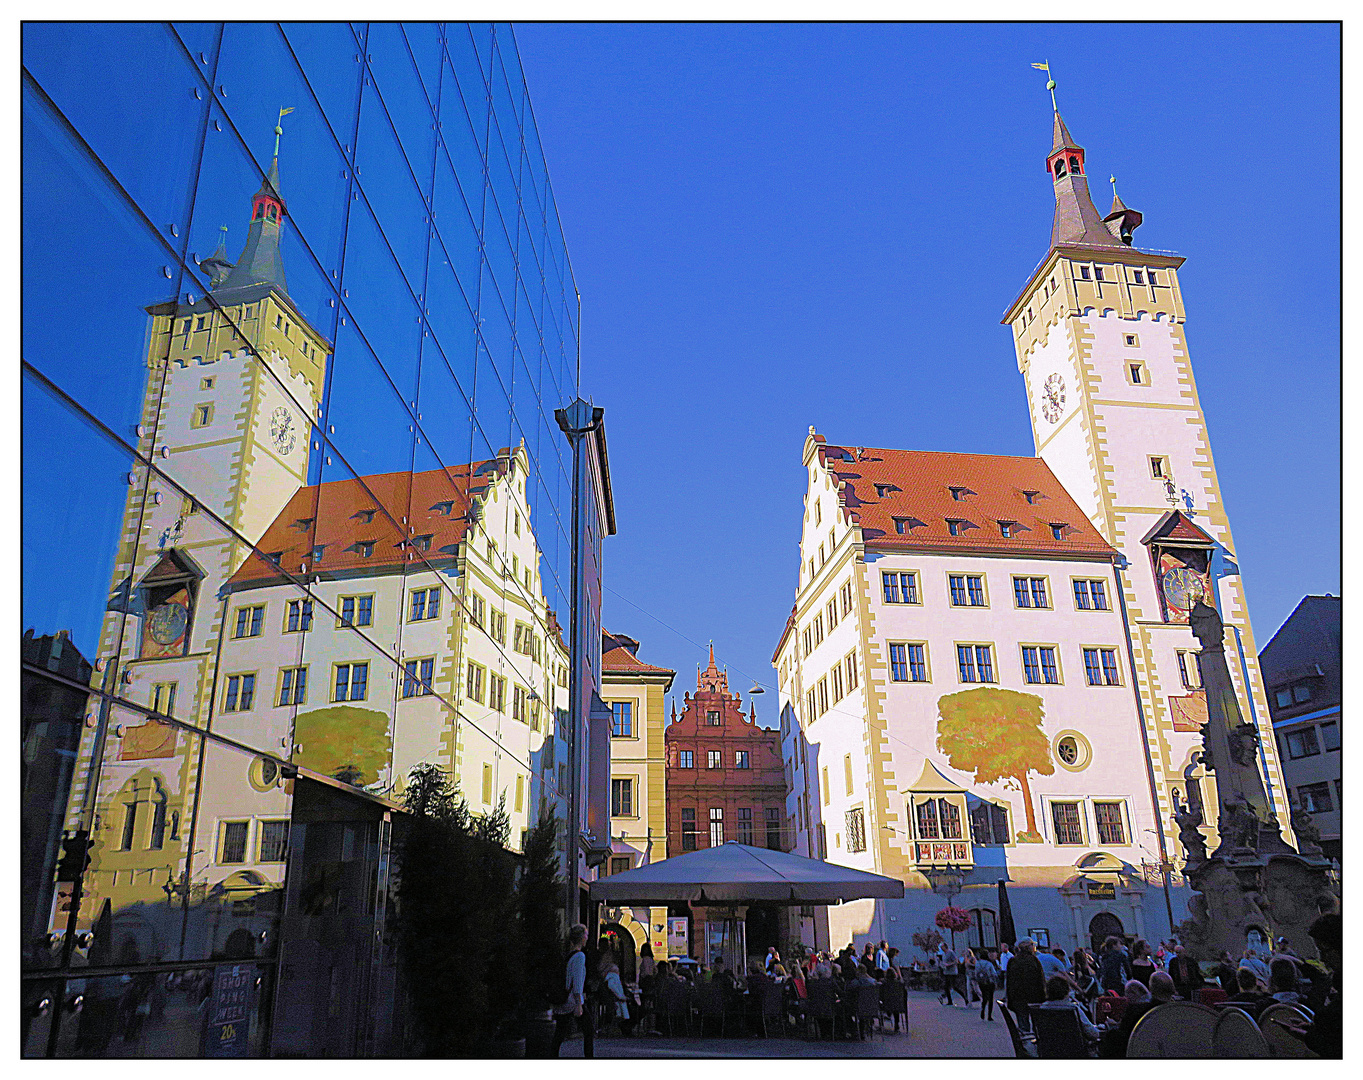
[{"x": 737, "y": 874}]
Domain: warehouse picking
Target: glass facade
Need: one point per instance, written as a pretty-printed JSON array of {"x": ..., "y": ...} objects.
[{"x": 297, "y": 317}]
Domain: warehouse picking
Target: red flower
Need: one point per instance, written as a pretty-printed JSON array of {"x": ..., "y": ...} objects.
[{"x": 953, "y": 918}]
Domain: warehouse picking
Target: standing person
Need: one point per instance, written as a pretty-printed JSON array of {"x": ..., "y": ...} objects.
[
  {"x": 882, "y": 958},
  {"x": 1186, "y": 973},
  {"x": 1142, "y": 963},
  {"x": 1005, "y": 954},
  {"x": 575, "y": 1005},
  {"x": 987, "y": 976},
  {"x": 1114, "y": 969},
  {"x": 1224, "y": 973},
  {"x": 773, "y": 958},
  {"x": 647, "y": 965},
  {"x": 947, "y": 964},
  {"x": 972, "y": 989},
  {"x": 1025, "y": 984}
]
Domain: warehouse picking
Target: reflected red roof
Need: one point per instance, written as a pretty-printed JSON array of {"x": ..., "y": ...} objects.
[
  {"x": 617, "y": 655},
  {"x": 904, "y": 499}
]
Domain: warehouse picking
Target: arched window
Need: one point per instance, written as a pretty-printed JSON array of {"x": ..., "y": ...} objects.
[
  {"x": 1059, "y": 167},
  {"x": 1074, "y": 164},
  {"x": 983, "y": 929}
]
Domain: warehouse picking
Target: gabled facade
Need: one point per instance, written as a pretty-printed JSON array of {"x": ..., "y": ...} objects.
[{"x": 956, "y": 698}]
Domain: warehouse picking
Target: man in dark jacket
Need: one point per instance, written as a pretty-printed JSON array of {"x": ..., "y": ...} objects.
[
  {"x": 1026, "y": 983},
  {"x": 1113, "y": 1043},
  {"x": 1114, "y": 967},
  {"x": 1186, "y": 973}
]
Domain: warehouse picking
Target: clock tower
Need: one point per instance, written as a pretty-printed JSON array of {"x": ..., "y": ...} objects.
[{"x": 1100, "y": 341}]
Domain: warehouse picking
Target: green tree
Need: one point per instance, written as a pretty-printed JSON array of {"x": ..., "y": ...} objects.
[
  {"x": 349, "y": 743},
  {"x": 997, "y": 735}
]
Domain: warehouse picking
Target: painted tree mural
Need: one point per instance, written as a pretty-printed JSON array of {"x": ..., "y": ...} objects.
[
  {"x": 344, "y": 741},
  {"x": 997, "y": 735}
]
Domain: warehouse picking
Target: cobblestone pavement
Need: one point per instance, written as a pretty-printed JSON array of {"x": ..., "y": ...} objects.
[{"x": 935, "y": 1030}]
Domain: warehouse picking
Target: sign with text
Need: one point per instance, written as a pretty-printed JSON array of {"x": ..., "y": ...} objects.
[
  {"x": 1102, "y": 890},
  {"x": 678, "y": 937},
  {"x": 229, "y": 1011}
]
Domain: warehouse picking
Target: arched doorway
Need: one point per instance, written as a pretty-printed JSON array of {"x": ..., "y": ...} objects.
[
  {"x": 1104, "y": 925},
  {"x": 622, "y": 941}
]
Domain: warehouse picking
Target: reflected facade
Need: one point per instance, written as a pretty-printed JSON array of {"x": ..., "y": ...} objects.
[{"x": 298, "y": 314}]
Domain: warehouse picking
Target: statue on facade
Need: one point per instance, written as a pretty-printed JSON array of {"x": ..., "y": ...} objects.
[
  {"x": 1306, "y": 830},
  {"x": 1189, "y": 821}
]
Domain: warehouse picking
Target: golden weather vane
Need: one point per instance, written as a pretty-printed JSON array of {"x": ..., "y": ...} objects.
[
  {"x": 278, "y": 131},
  {"x": 1050, "y": 82}
]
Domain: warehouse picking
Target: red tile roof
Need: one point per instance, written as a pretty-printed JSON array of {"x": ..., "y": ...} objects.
[
  {"x": 1175, "y": 525},
  {"x": 902, "y": 500},
  {"x": 617, "y": 655},
  {"x": 343, "y": 516}
]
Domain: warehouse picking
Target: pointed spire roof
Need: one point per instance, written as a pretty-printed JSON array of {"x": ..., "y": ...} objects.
[
  {"x": 1077, "y": 221},
  {"x": 1061, "y": 137},
  {"x": 261, "y": 262}
]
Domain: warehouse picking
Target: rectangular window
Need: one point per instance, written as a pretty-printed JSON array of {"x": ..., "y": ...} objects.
[
  {"x": 850, "y": 664},
  {"x": 622, "y": 798},
  {"x": 832, "y": 612},
  {"x": 1138, "y": 276},
  {"x": 1302, "y": 743},
  {"x": 1329, "y": 735},
  {"x": 925, "y": 814},
  {"x": 713, "y": 759},
  {"x": 741, "y": 759},
  {"x": 899, "y": 663},
  {"x": 686, "y": 759},
  {"x": 713, "y": 718},
  {"x": 949, "y": 818},
  {"x": 622, "y": 719},
  {"x": 498, "y": 627},
  {"x": 1111, "y": 673},
  {"x": 274, "y": 841},
  {"x": 823, "y": 695},
  {"x": 241, "y": 689},
  {"x": 1084, "y": 272},
  {"x": 818, "y": 630},
  {"x": 967, "y": 590},
  {"x": 352, "y": 682},
  {"x": 1190, "y": 668},
  {"x": 425, "y": 605},
  {"x": 1068, "y": 828},
  {"x": 918, "y": 667},
  {"x": 1030, "y": 592},
  {"x": 1315, "y": 798},
  {"x": 1038, "y": 664},
  {"x": 473, "y": 686},
  {"x": 1090, "y": 595},
  {"x": 827, "y": 788},
  {"x": 496, "y": 693},
  {"x": 846, "y": 592},
  {"x": 520, "y": 801},
  {"x": 688, "y": 828},
  {"x": 989, "y": 823},
  {"x": 486, "y": 793},
  {"x": 1137, "y": 375},
  {"x": 1098, "y": 273},
  {"x": 476, "y": 610},
  {"x": 158, "y": 826},
  {"x": 836, "y": 676},
  {"x": 809, "y": 705},
  {"x": 250, "y": 621},
  {"x": 899, "y": 588},
  {"x": 847, "y": 772},
  {"x": 299, "y": 617},
  {"x": 856, "y": 830},
  {"x": 129, "y": 826},
  {"x": 1006, "y": 529},
  {"x": 955, "y": 526},
  {"x": 293, "y": 686},
  {"x": 233, "y": 848},
  {"x": 809, "y": 641},
  {"x": 773, "y": 817},
  {"x": 1158, "y": 468},
  {"x": 745, "y": 825},
  {"x": 716, "y": 826},
  {"x": 163, "y": 698},
  {"x": 975, "y": 663},
  {"x": 416, "y": 677},
  {"x": 1108, "y": 816}
]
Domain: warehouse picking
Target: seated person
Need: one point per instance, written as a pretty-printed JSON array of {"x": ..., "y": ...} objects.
[
  {"x": 1051, "y": 965},
  {"x": 1139, "y": 1002},
  {"x": 1250, "y": 996},
  {"x": 1058, "y": 999},
  {"x": 1283, "y": 981}
]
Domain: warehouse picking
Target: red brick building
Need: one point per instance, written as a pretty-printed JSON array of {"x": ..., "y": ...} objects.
[{"x": 725, "y": 779}]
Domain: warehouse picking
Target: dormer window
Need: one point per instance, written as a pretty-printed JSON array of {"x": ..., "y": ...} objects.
[
  {"x": 367, "y": 516},
  {"x": 317, "y": 551},
  {"x": 445, "y": 507},
  {"x": 955, "y": 526},
  {"x": 1006, "y": 529},
  {"x": 904, "y": 525},
  {"x": 1058, "y": 530},
  {"x": 958, "y": 494},
  {"x": 304, "y": 524},
  {"x": 882, "y": 490},
  {"x": 364, "y": 548},
  {"x": 1031, "y": 497}
]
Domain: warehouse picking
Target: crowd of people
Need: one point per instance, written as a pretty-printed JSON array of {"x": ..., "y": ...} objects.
[{"x": 1022, "y": 977}]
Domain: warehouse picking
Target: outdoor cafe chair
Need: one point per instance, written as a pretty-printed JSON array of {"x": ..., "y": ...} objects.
[
  {"x": 866, "y": 1009},
  {"x": 710, "y": 1001},
  {"x": 1023, "y": 1046},
  {"x": 674, "y": 1003},
  {"x": 771, "y": 1006},
  {"x": 1176, "y": 1029},
  {"x": 1236, "y": 1035},
  {"x": 894, "y": 1000},
  {"x": 819, "y": 1004},
  {"x": 1108, "y": 1007},
  {"x": 1281, "y": 1042},
  {"x": 1211, "y": 995},
  {"x": 1058, "y": 1033}
]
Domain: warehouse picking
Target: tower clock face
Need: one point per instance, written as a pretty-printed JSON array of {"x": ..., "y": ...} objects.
[
  {"x": 167, "y": 623},
  {"x": 1053, "y": 397},
  {"x": 282, "y": 430},
  {"x": 1182, "y": 587}
]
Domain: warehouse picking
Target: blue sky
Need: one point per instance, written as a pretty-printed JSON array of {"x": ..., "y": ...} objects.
[{"x": 774, "y": 226}]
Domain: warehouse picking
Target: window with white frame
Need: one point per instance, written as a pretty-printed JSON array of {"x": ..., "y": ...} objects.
[
  {"x": 352, "y": 682},
  {"x": 975, "y": 663},
  {"x": 298, "y": 617},
  {"x": 1100, "y": 667},
  {"x": 967, "y": 590},
  {"x": 1030, "y": 592},
  {"x": 239, "y": 693},
  {"x": 622, "y": 798},
  {"x": 250, "y": 621},
  {"x": 293, "y": 685},
  {"x": 417, "y": 676},
  {"x": 425, "y": 604},
  {"x": 1190, "y": 668},
  {"x": 1090, "y": 594},
  {"x": 899, "y": 587},
  {"x": 1039, "y": 665}
]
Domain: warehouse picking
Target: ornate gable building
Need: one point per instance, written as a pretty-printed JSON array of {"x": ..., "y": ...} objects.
[{"x": 988, "y": 674}]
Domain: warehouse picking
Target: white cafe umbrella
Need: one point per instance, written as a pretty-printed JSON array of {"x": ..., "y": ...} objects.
[{"x": 737, "y": 874}]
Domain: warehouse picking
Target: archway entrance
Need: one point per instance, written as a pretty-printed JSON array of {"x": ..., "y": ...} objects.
[
  {"x": 625, "y": 955},
  {"x": 1102, "y": 926}
]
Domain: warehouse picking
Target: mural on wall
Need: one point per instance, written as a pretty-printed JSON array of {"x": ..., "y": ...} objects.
[
  {"x": 996, "y": 734},
  {"x": 343, "y": 741}
]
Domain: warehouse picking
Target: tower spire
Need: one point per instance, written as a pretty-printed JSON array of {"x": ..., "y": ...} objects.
[
  {"x": 1077, "y": 221},
  {"x": 261, "y": 262}
]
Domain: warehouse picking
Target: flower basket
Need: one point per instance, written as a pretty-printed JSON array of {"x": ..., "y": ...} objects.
[{"x": 953, "y": 918}]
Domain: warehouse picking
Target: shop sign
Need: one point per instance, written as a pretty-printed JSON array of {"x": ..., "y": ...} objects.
[{"x": 1102, "y": 890}]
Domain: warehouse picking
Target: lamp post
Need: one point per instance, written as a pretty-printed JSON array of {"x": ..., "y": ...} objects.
[{"x": 946, "y": 878}]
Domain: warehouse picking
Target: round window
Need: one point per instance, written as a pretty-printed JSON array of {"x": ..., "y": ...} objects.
[
  {"x": 264, "y": 773},
  {"x": 1072, "y": 750}
]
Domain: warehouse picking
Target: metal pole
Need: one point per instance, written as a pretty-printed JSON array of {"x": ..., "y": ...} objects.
[{"x": 1145, "y": 745}]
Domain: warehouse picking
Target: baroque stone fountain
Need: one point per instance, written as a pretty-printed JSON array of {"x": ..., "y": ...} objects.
[{"x": 1255, "y": 882}]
